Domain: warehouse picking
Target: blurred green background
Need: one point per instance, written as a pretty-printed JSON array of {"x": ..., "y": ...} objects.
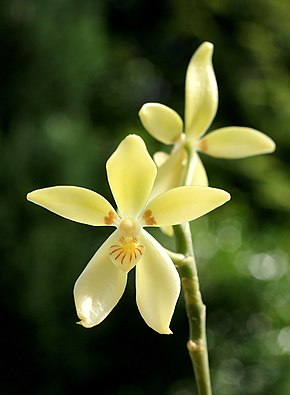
[{"x": 73, "y": 76}]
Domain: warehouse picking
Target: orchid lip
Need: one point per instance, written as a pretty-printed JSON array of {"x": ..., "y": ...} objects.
[{"x": 126, "y": 252}]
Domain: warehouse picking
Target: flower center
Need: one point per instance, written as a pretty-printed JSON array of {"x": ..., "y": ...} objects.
[
  {"x": 128, "y": 228},
  {"x": 126, "y": 253}
]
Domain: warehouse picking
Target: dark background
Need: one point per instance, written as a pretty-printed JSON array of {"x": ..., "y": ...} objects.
[{"x": 73, "y": 76}]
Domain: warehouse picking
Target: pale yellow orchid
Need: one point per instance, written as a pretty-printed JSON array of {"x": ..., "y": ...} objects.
[
  {"x": 131, "y": 173},
  {"x": 201, "y": 102}
]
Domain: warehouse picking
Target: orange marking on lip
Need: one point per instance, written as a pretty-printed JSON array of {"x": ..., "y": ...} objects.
[{"x": 128, "y": 252}]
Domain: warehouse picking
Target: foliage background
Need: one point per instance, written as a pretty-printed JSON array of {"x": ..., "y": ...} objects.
[{"x": 73, "y": 77}]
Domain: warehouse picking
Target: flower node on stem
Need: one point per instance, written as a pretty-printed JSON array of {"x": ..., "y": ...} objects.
[{"x": 195, "y": 346}]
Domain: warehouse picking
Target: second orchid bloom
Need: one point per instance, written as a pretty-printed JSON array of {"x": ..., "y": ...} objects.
[
  {"x": 131, "y": 174},
  {"x": 201, "y": 102}
]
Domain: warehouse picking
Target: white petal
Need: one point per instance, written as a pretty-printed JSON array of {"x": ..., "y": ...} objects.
[
  {"x": 75, "y": 203},
  {"x": 235, "y": 142},
  {"x": 157, "y": 285},
  {"x": 163, "y": 123},
  {"x": 99, "y": 287},
  {"x": 201, "y": 92},
  {"x": 183, "y": 204},
  {"x": 131, "y": 174}
]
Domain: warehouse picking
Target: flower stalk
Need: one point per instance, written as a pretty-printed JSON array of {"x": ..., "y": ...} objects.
[{"x": 195, "y": 308}]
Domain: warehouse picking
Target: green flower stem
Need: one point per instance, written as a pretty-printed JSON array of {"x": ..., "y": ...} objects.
[
  {"x": 175, "y": 257},
  {"x": 195, "y": 309}
]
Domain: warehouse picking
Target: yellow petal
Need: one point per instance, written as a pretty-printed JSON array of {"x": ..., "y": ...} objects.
[
  {"x": 163, "y": 123},
  {"x": 182, "y": 204},
  {"x": 170, "y": 173},
  {"x": 236, "y": 142},
  {"x": 131, "y": 174},
  {"x": 201, "y": 92},
  {"x": 75, "y": 203},
  {"x": 157, "y": 285},
  {"x": 199, "y": 175},
  {"x": 99, "y": 287}
]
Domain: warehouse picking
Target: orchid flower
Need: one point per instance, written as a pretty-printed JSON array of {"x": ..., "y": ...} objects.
[
  {"x": 131, "y": 174},
  {"x": 201, "y": 101}
]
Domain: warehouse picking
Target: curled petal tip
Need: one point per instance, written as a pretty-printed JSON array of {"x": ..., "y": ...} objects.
[
  {"x": 201, "y": 92},
  {"x": 80, "y": 323},
  {"x": 83, "y": 324},
  {"x": 205, "y": 50},
  {"x": 208, "y": 45},
  {"x": 165, "y": 331},
  {"x": 85, "y": 321}
]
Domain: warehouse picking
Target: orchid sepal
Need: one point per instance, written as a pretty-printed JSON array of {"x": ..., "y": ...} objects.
[
  {"x": 163, "y": 123},
  {"x": 235, "y": 142},
  {"x": 201, "y": 92}
]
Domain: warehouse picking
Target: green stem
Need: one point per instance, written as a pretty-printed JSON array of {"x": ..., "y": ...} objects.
[
  {"x": 175, "y": 257},
  {"x": 195, "y": 309}
]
